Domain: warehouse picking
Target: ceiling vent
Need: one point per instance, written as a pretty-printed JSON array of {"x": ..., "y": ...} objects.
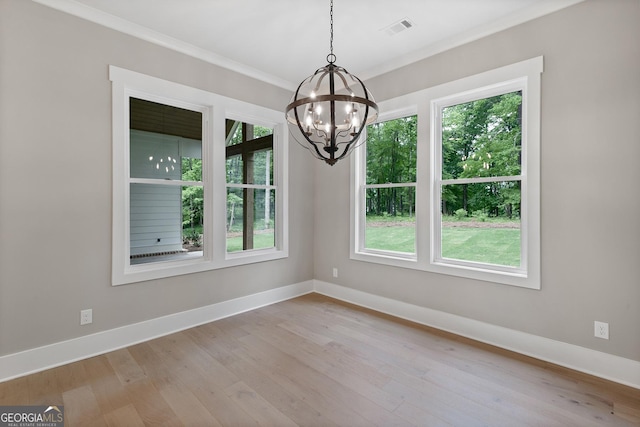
[{"x": 398, "y": 27}]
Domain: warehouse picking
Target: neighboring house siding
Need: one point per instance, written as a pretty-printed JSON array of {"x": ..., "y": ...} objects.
[
  {"x": 156, "y": 210},
  {"x": 155, "y": 219}
]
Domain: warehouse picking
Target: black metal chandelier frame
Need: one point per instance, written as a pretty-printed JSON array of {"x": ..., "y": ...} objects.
[{"x": 331, "y": 141}]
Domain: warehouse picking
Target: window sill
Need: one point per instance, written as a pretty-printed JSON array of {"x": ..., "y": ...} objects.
[
  {"x": 510, "y": 277},
  {"x": 162, "y": 269}
]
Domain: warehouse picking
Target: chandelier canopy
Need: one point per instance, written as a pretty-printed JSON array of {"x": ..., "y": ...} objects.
[{"x": 329, "y": 110}]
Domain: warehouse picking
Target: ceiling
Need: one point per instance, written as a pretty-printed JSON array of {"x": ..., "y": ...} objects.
[{"x": 284, "y": 41}]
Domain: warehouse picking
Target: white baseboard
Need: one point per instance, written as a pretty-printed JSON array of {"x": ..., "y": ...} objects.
[
  {"x": 49, "y": 356},
  {"x": 603, "y": 365}
]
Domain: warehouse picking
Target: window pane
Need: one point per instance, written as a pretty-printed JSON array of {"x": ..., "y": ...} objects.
[
  {"x": 262, "y": 167},
  {"x": 259, "y": 168},
  {"x": 250, "y": 211},
  {"x": 391, "y": 151},
  {"x": 239, "y": 132},
  {"x": 481, "y": 222},
  {"x": 255, "y": 229},
  {"x": 164, "y": 141},
  {"x": 166, "y": 222},
  {"x": 234, "y": 169},
  {"x": 482, "y": 138},
  {"x": 390, "y": 219},
  {"x": 191, "y": 160}
]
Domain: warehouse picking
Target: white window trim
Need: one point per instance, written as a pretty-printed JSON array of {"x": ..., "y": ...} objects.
[
  {"x": 215, "y": 109},
  {"x": 358, "y": 190},
  {"x": 529, "y": 72},
  {"x": 279, "y": 176}
]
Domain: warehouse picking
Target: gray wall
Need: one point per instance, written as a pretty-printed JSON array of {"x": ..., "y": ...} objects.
[
  {"x": 55, "y": 181},
  {"x": 590, "y": 196}
]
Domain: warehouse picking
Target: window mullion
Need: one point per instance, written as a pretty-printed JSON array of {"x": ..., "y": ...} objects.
[
  {"x": 391, "y": 185},
  {"x": 174, "y": 182},
  {"x": 480, "y": 180}
]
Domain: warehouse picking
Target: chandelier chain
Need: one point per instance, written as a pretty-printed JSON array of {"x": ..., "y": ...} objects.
[{"x": 331, "y": 55}]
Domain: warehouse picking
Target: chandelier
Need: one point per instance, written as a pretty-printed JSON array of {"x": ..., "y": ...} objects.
[{"x": 329, "y": 110}]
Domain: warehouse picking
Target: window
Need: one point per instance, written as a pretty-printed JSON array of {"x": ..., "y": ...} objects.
[
  {"x": 166, "y": 191},
  {"x": 185, "y": 178},
  {"x": 250, "y": 191},
  {"x": 389, "y": 190},
  {"x": 476, "y": 180}
]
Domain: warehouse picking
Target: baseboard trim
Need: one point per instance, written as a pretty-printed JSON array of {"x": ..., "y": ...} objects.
[
  {"x": 596, "y": 363},
  {"x": 50, "y": 356},
  {"x": 602, "y": 365}
]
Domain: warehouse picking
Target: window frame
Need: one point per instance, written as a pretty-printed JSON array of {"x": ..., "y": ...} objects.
[
  {"x": 215, "y": 109},
  {"x": 525, "y": 76},
  {"x": 278, "y": 234},
  {"x": 361, "y": 159}
]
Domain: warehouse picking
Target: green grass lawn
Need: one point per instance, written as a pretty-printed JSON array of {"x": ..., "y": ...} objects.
[
  {"x": 260, "y": 241},
  {"x": 401, "y": 238},
  {"x": 499, "y": 246}
]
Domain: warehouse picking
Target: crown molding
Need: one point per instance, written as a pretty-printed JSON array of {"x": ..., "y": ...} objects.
[
  {"x": 115, "y": 23},
  {"x": 538, "y": 10},
  {"x": 80, "y": 10}
]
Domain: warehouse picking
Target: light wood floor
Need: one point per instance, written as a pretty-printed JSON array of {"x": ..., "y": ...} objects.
[{"x": 313, "y": 361}]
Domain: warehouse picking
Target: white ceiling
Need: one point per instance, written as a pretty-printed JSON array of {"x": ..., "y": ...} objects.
[{"x": 284, "y": 41}]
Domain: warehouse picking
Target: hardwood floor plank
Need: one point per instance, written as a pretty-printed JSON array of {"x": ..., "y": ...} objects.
[
  {"x": 219, "y": 344},
  {"x": 221, "y": 406},
  {"x": 125, "y": 366},
  {"x": 255, "y": 405},
  {"x": 315, "y": 356},
  {"x": 289, "y": 403},
  {"x": 305, "y": 333},
  {"x": 183, "y": 354},
  {"x": 314, "y": 361},
  {"x": 70, "y": 376},
  {"x": 285, "y": 371},
  {"x": 190, "y": 411},
  {"x": 150, "y": 405},
  {"x": 15, "y": 392},
  {"x": 124, "y": 416},
  {"x": 44, "y": 389},
  {"x": 206, "y": 385},
  {"x": 105, "y": 384},
  {"x": 448, "y": 406},
  {"x": 322, "y": 392},
  {"x": 81, "y": 408},
  {"x": 419, "y": 417}
]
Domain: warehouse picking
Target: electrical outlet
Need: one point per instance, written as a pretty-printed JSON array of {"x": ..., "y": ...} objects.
[
  {"x": 86, "y": 316},
  {"x": 601, "y": 330},
  {"x": 335, "y": 272}
]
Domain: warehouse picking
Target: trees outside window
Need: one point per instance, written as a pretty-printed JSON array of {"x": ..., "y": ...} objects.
[
  {"x": 390, "y": 185},
  {"x": 449, "y": 179},
  {"x": 480, "y": 190}
]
